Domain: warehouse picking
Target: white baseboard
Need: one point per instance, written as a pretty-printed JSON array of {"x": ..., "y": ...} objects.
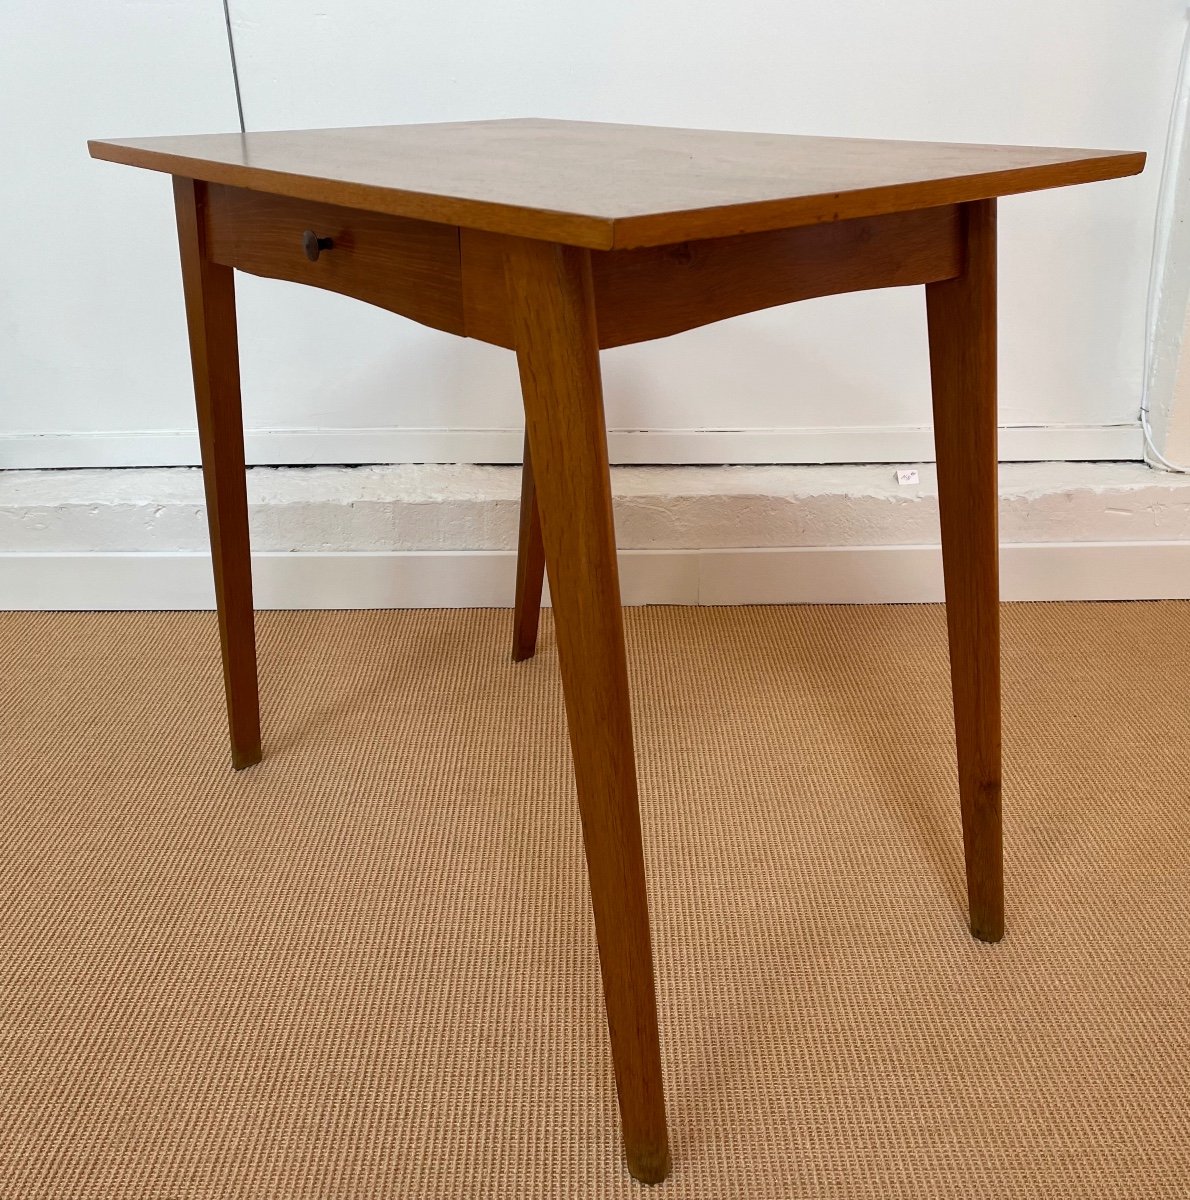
[
  {"x": 310, "y": 447},
  {"x": 484, "y": 579}
]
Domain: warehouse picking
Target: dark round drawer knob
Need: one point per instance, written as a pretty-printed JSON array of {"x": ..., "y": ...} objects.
[{"x": 314, "y": 245}]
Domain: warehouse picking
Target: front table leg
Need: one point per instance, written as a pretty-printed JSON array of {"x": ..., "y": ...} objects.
[
  {"x": 214, "y": 356},
  {"x": 962, "y": 322},
  {"x": 549, "y": 291}
]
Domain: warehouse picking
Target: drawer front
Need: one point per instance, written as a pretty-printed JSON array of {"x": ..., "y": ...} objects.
[{"x": 406, "y": 266}]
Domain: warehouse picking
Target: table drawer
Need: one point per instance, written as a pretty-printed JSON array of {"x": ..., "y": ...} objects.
[{"x": 406, "y": 266}]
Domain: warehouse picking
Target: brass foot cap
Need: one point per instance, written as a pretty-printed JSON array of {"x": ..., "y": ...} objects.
[
  {"x": 991, "y": 931},
  {"x": 649, "y": 1166},
  {"x": 245, "y": 758}
]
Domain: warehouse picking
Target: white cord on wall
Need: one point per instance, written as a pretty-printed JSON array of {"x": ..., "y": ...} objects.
[
  {"x": 235, "y": 70},
  {"x": 1166, "y": 192}
]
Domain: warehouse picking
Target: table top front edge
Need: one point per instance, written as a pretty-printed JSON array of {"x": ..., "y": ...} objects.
[
  {"x": 572, "y": 229},
  {"x": 595, "y": 232}
]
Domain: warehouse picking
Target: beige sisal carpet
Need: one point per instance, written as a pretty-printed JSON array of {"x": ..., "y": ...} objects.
[{"x": 366, "y": 968}]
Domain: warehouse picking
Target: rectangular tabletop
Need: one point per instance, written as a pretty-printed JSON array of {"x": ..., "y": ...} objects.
[{"x": 613, "y": 186}]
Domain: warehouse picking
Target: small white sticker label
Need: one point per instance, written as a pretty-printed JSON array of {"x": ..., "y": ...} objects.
[{"x": 906, "y": 478}]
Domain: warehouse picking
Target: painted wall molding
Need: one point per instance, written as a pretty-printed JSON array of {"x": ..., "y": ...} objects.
[
  {"x": 308, "y": 447},
  {"x": 484, "y": 579}
]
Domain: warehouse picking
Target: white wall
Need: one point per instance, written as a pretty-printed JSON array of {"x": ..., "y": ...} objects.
[
  {"x": 90, "y": 310},
  {"x": 1169, "y": 365}
]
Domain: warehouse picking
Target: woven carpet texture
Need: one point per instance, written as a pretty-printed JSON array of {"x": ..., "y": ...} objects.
[{"x": 366, "y": 968}]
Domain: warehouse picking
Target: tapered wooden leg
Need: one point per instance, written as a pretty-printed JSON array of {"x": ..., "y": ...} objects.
[
  {"x": 214, "y": 355},
  {"x": 962, "y": 323},
  {"x": 554, "y": 325},
  {"x": 530, "y": 567}
]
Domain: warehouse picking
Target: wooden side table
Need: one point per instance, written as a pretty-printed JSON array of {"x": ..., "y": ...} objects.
[{"x": 556, "y": 239}]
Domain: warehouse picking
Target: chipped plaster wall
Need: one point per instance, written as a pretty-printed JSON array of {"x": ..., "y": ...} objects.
[{"x": 475, "y": 508}]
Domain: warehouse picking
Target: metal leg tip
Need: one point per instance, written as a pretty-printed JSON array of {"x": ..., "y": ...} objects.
[
  {"x": 245, "y": 758},
  {"x": 650, "y": 1166},
  {"x": 987, "y": 930}
]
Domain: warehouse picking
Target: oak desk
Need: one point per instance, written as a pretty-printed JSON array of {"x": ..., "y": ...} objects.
[{"x": 555, "y": 239}]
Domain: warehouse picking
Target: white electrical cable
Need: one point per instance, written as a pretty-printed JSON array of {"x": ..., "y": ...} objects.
[
  {"x": 235, "y": 70},
  {"x": 1174, "y": 136}
]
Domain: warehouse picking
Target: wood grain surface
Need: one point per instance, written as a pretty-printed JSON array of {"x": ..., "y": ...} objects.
[
  {"x": 409, "y": 267},
  {"x": 209, "y": 290},
  {"x": 554, "y": 319},
  {"x": 613, "y": 186},
  {"x": 658, "y": 291},
  {"x": 530, "y": 567},
  {"x": 962, "y": 323}
]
